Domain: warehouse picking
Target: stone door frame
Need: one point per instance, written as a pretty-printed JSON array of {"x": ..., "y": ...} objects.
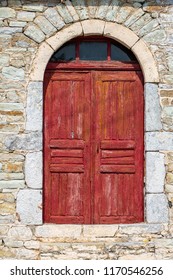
[{"x": 156, "y": 141}]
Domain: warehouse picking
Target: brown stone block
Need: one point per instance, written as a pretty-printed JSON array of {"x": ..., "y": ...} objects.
[
  {"x": 166, "y": 101},
  {"x": 3, "y": 230},
  {"x": 152, "y": 8},
  {"x": 11, "y": 127},
  {"x": 6, "y": 253},
  {"x": 7, "y": 208},
  {"x": 13, "y": 167},
  {"x": 6, "y": 197},
  {"x": 11, "y": 113},
  {"x": 166, "y": 93},
  {"x": 170, "y": 167},
  {"x": 169, "y": 178}
]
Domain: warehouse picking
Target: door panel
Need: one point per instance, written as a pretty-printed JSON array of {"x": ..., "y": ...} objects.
[
  {"x": 67, "y": 149},
  {"x": 119, "y": 136},
  {"x": 93, "y": 147}
]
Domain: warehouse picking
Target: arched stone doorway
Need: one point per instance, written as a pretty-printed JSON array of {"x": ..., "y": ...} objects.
[
  {"x": 152, "y": 106},
  {"x": 93, "y": 134}
]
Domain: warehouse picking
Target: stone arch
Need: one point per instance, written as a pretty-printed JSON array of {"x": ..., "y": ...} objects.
[
  {"x": 96, "y": 27},
  {"x": 153, "y": 125}
]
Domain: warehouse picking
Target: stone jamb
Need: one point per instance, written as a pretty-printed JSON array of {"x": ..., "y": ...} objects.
[{"x": 152, "y": 116}]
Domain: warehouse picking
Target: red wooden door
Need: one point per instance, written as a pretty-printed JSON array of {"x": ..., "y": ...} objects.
[
  {"x": 118, "y": 102},
  {"x": 67, "y": 148},
  {"x": 93, "y": 147}
]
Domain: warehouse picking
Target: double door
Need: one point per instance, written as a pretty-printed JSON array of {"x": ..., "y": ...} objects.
[{"x": 93, "y": 147}]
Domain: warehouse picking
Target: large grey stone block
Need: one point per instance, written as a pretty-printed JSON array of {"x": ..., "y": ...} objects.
[
  {"x": 34, "y": 106},
  {"x": 20, "y": 233},
  {"x": 64, "y": 13},
  {"x": 156, "y": 36},
  {"x": 34, "y": 33},
  {"x": 7, "y": 13},
  {"x": 55, "y": 231},
  {"x": 33, "y": 8},
  {"x": 148, "y": 27},
  {"x": 53, "y": 16},
  {"x": 140, "y": 228},
  {"x": 167, "y": 118},
  {"x": 155, "y": 172},
  {"x": 81, "y": 9},
  {"x": 112, "y": 10},
  {"x": 12, "y": 184},
  {"x": 29, "y": 206},
  {"x": 152, "y": 108},
  {"x": 7, "y": 107},
  {"x": 134, "y": 17},
  {"x": 13, "y": 73},
  {"x": 156, "y": 208},
  {"x": 157, "y": 141},
  {"x": 45, "y": 25},
  {"x": 33, "y": 170},
  {"x": 4, "y": 60},
  {"x": 10, "y": 30},
  {"x": 25, "y": 16},
  {"x": 30, "y": 142},
  {"x": 102, "y": 9}
]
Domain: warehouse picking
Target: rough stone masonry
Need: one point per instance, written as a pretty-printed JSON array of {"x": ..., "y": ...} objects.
[{"x": 26, "y": 27}]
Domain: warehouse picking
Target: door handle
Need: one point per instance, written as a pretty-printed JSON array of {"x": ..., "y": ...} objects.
[{"x": 98, "y": 147}]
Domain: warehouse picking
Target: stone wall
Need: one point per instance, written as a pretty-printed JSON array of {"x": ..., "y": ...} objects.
[{"x": 30, "y": 30}]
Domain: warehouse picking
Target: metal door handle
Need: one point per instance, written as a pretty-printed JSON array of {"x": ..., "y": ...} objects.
[{"x": 98, "y": 148}]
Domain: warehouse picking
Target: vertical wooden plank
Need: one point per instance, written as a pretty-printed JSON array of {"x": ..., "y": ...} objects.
[
  {"x": 120, "y": 194},
  {"x": 128, "y": 131},
  {"x": 120, "y": 110},
  {"x": 126, "y": 195},
  {"x": 131, "y": 194},
  {"x": 55, "y": 186},
  {"x": 105, "y": 207},
  {"x": 74, "y": 195},
  {"x": 87, "y": 135},
  {"x": 139, "y": 138},
  {"x": 62, "y": 201},
  {"x": 79, "y": 105},
  {"x": 46, "y": 157},
  {"x": 98, "y": 112},
  {"x": 109, "y": 112},
  {"x": 114, "y": 194}
]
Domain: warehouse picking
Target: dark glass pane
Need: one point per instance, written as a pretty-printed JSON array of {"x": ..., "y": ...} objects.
[
  {"x": 121, "y": 53},
  {"x": 93, "y": 51},
  {"x": 65, "y": 53}
]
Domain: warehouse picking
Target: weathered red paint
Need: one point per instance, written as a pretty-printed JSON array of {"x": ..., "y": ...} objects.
[{"x": 93, "y": 144}]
